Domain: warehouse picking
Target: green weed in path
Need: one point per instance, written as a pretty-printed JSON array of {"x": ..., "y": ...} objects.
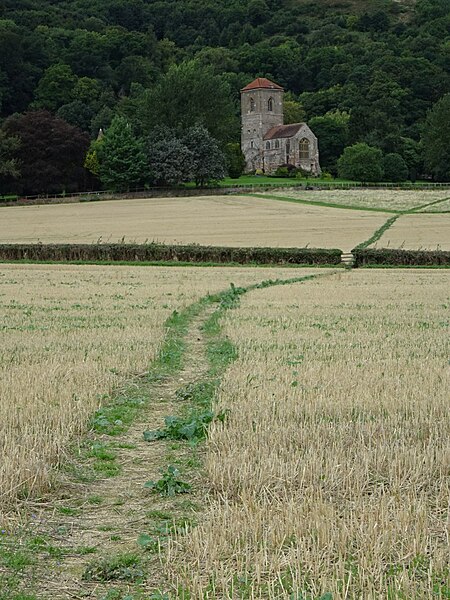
[
  {"x": 169, "y": 484},
  {"x": 121, "y": 567}
]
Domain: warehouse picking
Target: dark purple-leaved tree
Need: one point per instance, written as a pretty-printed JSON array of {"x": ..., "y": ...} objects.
[{"x": 51, "y": 153}]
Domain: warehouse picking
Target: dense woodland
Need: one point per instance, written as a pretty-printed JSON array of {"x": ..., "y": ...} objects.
[{"x": 358, "y": 71}]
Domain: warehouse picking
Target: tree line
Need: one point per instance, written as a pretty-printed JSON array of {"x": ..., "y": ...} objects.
[{"x": 373, "y": 72}]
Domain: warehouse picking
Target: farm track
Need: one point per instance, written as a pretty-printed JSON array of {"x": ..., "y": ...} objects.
[
  {"x": 81, "y": 540},
  {"x": 126, "y": 509}
]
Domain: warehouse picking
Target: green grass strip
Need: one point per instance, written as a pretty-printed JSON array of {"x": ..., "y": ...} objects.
[
  {"x": 323, "y": 204},
  {"x": 378, "y": 233},
  {"x": 221, "y": 353},
  {"x": 417, "y": 208}
]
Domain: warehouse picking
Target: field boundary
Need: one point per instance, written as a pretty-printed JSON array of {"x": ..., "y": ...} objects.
[
  {"x": 103, "y": 195},
  {"x": 365, "y": 256},
  {"x": 419, "y": 208},
  {"x": 161, "y": 253},
  {"x": 392, "y": 257}
]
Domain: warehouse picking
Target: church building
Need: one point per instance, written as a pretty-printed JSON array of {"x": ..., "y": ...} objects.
[{"x": 265, "y": 141}]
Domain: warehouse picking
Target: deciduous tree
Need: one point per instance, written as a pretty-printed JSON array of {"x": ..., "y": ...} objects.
[
  {"x": 51, "y": 153},
  {"x": 170, "y": 160},
  {"x": 361, "y": 162},
  {"x": 394, "y": 167},
  {"x": 9, "y": 165},
  {"x": 191, "y": 94},
  {"x": 121, "y": 156},
  {"x": 208, "y": 159},
  {"x": 436, "y": 139},
  {"x": 332, "y": 133},
  {"x": 235, "y": 160}
]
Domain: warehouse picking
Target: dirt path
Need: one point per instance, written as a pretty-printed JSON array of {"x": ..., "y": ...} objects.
[{"x": 94, "y": 527}]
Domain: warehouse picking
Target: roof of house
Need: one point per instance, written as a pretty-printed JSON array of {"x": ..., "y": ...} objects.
[
  {"x": 261, "y": 83},
  {"x": 283, "y": 131}
]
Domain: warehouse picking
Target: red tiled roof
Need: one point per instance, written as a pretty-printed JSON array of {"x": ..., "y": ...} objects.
[
  {"x": 283, "y": 131},
  {"x": 261, "y": 83}
]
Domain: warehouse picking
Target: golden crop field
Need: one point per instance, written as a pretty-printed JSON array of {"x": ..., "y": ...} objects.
[
  {"x": 215, "y": 220},
  {"x": 418, "y": 231},
  {"x": 364, "y": 198},
  {"x": 72, "y": 334},
  {"x": 331, "y": 474}
]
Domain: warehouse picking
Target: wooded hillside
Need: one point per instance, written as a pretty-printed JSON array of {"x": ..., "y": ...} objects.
[{"x": 365, "y": 71}]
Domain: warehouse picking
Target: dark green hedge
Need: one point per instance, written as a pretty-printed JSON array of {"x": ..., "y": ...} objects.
[
  {"x": 161, "y": 252},
  {"x": 391, "y": 256}
]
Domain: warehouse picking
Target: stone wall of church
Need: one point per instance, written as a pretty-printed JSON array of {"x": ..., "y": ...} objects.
[
  {"x": 287, "y": 151},
  {"x": 256, "y": 122}
]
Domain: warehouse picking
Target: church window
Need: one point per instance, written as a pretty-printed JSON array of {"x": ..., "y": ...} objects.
[
  {"x": 252, "y": 105},
  {"x": 252, "y": 145},
  {"x": 270, "y": 105},
  {"x": 267, "y": 145},
  {"x": 288, "y": 150},
  {"x": 304, "y": 149},
  {"x": 277, "y": 144}
]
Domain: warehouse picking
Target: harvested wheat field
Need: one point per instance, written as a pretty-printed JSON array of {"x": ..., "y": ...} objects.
[
  {"x": 215, "y": 220},
  {"x": 397, "y": 200},
  {"x": 72, "y": 334},
  {"x": 418, "y": 231},
  {"x": 331, "y": 475}
]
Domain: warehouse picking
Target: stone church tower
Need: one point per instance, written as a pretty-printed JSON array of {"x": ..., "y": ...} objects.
[{"x": 265, "y": 141}]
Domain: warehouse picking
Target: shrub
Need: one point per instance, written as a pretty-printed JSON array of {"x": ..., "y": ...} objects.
[
  {"x": 286, "y": 170},
  {"x": 235, "y": 160},
  {"x": 302, "y": 174},
  {"x": 282, "y": 172},
  {"x": 361, "y": 162},
  {"x": 398, "y": 257},
  {"x": 395, "y": 168}
]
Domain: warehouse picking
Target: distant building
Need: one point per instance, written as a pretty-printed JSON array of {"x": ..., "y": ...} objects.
[{"x": 265, "y": 141}]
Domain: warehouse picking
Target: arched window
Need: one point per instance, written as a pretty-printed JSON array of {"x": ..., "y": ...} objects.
[
  {"x": 252, "y": 105},
  {"x": 277, "y": 144},
  {"x": 270, "y": 105},
  {"x": 304, "y": 149},
  {"x": 267, "y": 145},
  {"x": 252, "y": 145}
]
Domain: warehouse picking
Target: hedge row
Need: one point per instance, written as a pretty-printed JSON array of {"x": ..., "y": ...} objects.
[
  {"x": 391, "y": 256},
  {"x": 161, "y": 252}
]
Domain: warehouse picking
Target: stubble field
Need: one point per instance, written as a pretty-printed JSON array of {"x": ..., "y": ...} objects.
[
  {"x": 418, "y": 231},
  {"x": 331, "y": 474},
  {"x": 215, "y": 220},
  {"x": 397, "y": 200},
  {"x": 72, "y": 334}
]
